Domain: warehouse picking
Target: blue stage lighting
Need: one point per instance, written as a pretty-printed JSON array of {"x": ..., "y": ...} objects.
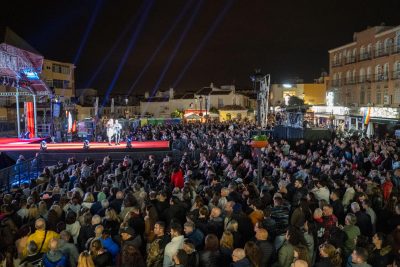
[
  {"x": 88, "y": 29},
  {"x": 128, "y": 50},
  {"x": 177, "y": 46},
  {"x": 115, "y": 45},
  {"x": 217, "y": 21},
  {"x": 177, "y": 20}
]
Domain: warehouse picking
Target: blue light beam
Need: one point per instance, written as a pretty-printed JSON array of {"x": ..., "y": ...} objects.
[
  {"x": 184, "y": 10},
  {"x": 112, "y": 49},
  {"x": 130, "y": 46},
  {"x": 217, "y": 21},
  {"x": 177, "y": 46},
  {"x": 88, "y": 30}
]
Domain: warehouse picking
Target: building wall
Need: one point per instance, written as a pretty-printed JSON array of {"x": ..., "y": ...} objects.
[
  {"x": 315, "y": 94},
  {"x": 376, "y": 49},
  {"x": 61, "y": 76},
  {"x": 312, "y": 93}
]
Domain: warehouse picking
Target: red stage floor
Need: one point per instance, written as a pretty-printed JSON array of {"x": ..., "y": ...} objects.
[{"x": 15, "y": 144}]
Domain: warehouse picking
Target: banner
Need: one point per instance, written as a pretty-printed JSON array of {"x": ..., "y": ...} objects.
[
  {"x": 112, "y": 105},
  {"x": 367, "y": 116},
  {"x": 96, "y": 107},
  {"x": 30, "y": 120}
]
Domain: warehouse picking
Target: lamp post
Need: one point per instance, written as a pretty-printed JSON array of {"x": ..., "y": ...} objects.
[
  {"x": 258, "y": 78},
  {"x": 201, "y": 106}
]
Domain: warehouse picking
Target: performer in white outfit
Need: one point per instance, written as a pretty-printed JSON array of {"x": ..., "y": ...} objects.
[
  {"x": 110, "y": 130},
  {"x": 117, "y": 132}
]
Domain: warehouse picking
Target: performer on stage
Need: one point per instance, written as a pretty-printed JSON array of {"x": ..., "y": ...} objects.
[
  {"x": 110, "y": 130},
  {"x": 117, "y": 132}
]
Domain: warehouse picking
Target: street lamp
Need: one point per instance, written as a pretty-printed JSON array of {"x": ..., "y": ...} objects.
[{"x": 201, "y": 106}]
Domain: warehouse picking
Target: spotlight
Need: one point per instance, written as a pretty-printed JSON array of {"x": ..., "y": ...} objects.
[
  {"x": 43, "y": 146},
  {"x": 129, "y": 143},
  {"x": 86, "y": 144}
]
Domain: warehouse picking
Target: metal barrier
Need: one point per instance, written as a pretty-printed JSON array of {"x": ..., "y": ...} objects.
[{"x": 19, "y": 173}]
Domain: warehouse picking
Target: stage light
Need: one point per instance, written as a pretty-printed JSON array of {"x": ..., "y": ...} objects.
[
  {"x": 86, "y": 144},
  {"x": 129, "y": 143},
  {"x": 43, "y": 146},
  {"x": 287, "y": 85}
]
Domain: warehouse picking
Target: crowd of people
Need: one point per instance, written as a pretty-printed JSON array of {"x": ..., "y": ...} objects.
[{"x": 322, "y": 203}]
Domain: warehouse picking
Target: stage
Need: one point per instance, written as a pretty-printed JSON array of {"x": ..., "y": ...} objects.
[{"x": 16, "y": 144}]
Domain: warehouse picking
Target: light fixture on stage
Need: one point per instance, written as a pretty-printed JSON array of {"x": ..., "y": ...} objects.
[
  {"x": 86, "y": 144},
  {"x": 129, "y": 143},
  {"x": 43, "y": 145}
]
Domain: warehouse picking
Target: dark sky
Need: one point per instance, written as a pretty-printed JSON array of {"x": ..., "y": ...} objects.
[{"x": 284, "y": 38}]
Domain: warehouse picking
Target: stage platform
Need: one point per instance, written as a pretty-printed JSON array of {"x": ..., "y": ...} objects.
[{"x": 15, "y": 144}]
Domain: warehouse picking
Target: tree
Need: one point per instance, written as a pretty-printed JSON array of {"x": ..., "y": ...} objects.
[
  {"x": 213, "y": 110},
  {"x": 295, "y": 101}
]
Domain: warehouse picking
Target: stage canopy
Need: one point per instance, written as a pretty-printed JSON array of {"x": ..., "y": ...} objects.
[{"x": 20, "y": 64}]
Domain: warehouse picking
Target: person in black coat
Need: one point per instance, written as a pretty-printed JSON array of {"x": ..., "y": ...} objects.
[
  {"x": 337, "y": 206},
  {"x": 193, "y": 255},
  {"x": 175, "y": 211},
  {"x": 266, "y": 248},
  {"x": 210, "y": 256},
  {"x": 363, "y": 220},
  {"x": 101, "y": 257}
]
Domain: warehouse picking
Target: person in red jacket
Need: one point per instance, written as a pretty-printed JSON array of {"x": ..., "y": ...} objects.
[
  {"x": 387, "y": 187},
  {"x": 177, "y": 178}
]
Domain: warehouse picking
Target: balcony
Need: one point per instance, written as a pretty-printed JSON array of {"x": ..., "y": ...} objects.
[
  {"x": 337, "y": 63},
  {"x": 381, "y": 77},
  {"x": 395, "y": 75},
  {"x": 365, "y": 56},
  {"x": 382, "y": 52},
  {"x": 350, "y": 60}
]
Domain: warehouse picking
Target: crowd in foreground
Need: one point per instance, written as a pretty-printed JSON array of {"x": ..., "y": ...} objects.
[{"x": 324, "y": 203}]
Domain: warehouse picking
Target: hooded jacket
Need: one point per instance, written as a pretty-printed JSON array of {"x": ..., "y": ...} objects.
[{"x": 54, "y": 259}]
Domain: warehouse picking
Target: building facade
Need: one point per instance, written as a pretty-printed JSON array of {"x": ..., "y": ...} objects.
[
  {"x": 366, "y": 72},
  {"x": 61, "y": 77},
  {"x": 311, "y": 93}
]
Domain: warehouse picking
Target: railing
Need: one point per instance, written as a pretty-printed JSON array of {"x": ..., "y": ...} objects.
[
  {"x": 350, "y": 60},
  {"x": 19, "y": 174},
  {"x": 381, "y": 52}
]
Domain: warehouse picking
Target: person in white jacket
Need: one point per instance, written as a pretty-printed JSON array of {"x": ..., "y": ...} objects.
[
  {"x": 321, "y": 191},
  {"x": 172, "y": 247}
]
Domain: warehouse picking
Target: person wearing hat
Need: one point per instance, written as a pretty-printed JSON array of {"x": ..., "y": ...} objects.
[{"x": 129, "y": 237}]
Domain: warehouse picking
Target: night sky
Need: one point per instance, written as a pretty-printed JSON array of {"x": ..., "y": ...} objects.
[{"x": 284, "y": 38}]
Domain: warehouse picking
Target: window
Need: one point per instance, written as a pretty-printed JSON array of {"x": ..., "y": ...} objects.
[
  {"x": 353, "y": 78},
  {"x": 378, "y": 48},
  {"x": 348, "y": 77},
  {"x": 378, "y": 97},
  {"x": 397, "y": 93},
  {"x": 369, "y": 74},
  {"x": 388, "y": 44},
  {"x": 348, "y": 57},
  {"x": 369, "y": 50},
  {"x": 397, "y": 46},
  {"x": 362, "y": 96},
  {"x": 385, "y": 71},
  {"x": 396, "y": 70},
  {"x": 362, "y": 53},
  {"x": 369, "y": 95},
  {"x": 60, "y": 84},
  {"x": 57, "y": 68},
  {"x": 353, "y": 59},
  {"x": 335, "y": 59},
  {"x": 378, "y": 73},
  {"x": 362, "y": 75},
  {"x": 220, "y": 102}
]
